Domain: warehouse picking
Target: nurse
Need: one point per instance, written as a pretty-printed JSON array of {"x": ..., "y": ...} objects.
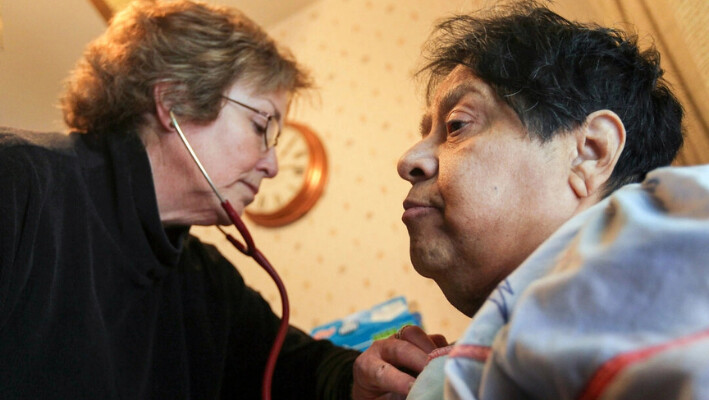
[{"x": 103, "y": 292}]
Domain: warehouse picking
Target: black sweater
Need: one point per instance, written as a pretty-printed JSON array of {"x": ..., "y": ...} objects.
[{"x": 99, "y": 301}]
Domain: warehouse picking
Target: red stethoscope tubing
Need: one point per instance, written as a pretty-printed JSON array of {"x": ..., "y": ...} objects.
[{"x": 250, "y": 250}]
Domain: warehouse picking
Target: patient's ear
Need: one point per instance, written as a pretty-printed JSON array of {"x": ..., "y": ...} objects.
[
  {"x": 599, "y": 142},
  {"x": 162, "y": 107}
]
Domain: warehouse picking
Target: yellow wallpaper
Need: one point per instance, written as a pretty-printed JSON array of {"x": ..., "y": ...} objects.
[
  {"x": 116, "y": 5},
  {"x": 1, "y": 41}
]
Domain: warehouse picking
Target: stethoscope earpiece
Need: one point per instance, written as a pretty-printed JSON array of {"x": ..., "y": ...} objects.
[{"x": 173, "y": 121}]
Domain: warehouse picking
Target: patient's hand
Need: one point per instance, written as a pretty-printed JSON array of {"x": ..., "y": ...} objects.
[{"x": 388, "y": 368}]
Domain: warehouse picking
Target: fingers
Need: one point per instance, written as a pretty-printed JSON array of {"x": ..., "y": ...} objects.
[
  {"x": 377, "y": 371},
  {"x": 382, "y": 372},
  {"x": 405, "y": 354},
  {"x": 439, "y": 340},
  {"x": 416, "y": 336},
  {"x": 391, "y": 379}
]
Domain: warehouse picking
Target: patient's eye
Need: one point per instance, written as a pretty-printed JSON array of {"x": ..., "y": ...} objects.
[
  {"x": 456, "y": 121},
  {"x": 452, "y": 127}
]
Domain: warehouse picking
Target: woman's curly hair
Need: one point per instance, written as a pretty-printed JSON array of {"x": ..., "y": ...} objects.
[{"x": 199, "y": 50}]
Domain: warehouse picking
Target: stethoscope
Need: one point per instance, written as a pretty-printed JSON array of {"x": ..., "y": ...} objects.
[{"x": 250, "y": 250}]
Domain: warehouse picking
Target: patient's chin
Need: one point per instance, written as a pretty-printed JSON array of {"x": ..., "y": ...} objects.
[{"x": 428, "y": 261}]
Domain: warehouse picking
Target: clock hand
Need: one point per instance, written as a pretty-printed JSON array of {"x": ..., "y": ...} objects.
[
  {"x": 302, "y": 153},
  {"x": 297, "y": 168}
]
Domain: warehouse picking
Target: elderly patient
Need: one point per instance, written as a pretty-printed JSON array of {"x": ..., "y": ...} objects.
[{"x": 532, "y": 121}]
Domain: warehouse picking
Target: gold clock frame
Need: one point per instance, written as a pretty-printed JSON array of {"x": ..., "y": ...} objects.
[{"x": 311, "y": 189}]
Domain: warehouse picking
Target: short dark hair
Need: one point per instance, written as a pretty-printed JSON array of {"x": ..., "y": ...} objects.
[{"x": 554, "y": 73}]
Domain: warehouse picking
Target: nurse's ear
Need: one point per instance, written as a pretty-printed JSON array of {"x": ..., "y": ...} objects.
[
  {"x": 599, "y": 143},
  {"x": 162, "y": 106}
]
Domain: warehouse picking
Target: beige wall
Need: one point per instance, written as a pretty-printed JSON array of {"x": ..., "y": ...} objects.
[{"x": 41, "y": 41}]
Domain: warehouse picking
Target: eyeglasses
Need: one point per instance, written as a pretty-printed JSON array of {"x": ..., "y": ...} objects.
[{"x": 271, "y": 131}]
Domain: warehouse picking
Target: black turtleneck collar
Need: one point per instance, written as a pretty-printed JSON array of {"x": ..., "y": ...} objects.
[{"x": 119, "y": 168}]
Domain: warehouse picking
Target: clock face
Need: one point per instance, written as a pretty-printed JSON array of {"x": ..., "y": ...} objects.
[{"x": 302, "y": 171}]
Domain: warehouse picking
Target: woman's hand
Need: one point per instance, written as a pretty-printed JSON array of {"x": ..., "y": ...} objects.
[{"x": 388, "y": 368}]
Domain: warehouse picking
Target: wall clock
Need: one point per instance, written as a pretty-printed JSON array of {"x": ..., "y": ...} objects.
[{"x": 302, "y": 166}]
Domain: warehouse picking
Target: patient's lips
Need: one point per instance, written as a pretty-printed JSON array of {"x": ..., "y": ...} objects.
[{"x": 414, "y": 209}]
